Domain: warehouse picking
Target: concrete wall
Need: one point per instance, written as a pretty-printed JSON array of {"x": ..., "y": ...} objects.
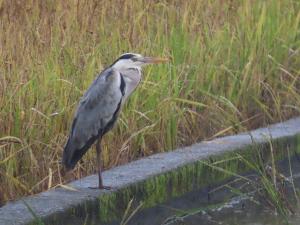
[{"x": 152, "y": 179}]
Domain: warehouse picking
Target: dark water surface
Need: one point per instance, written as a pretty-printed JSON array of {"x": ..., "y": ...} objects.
[
  {"x": 235, "y": 202},
  {"x": 224, "y": 206}
]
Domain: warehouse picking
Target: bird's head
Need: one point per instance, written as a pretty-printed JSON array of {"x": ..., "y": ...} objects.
[{"x": 133, "y": 60}]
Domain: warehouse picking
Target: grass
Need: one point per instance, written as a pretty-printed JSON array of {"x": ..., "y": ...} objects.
[
  {"x": 127, "y": 217},
  {"x": 235, "y": 66},
  {"x": 266, "y": 188},
  {"x": 37, "y": 220}
]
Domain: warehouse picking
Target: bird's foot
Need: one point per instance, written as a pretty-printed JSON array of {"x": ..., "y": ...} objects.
[
  {"x": 106, "y": 187},
  {"x": 102, "y": 187}
]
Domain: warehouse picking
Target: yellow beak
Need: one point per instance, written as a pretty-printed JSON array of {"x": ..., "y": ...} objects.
[{"x": 154, "y": 60}]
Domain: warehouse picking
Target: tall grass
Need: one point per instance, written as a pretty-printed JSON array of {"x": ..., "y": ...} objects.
[{"x": 235, "y": 66}]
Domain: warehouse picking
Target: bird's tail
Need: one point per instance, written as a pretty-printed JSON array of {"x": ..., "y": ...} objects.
[
  {"x": 73, "y": 153},
  {"x": 68, "y": 155}
]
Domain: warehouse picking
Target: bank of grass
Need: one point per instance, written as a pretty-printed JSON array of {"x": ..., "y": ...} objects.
[{"x": 235, "y": 66}]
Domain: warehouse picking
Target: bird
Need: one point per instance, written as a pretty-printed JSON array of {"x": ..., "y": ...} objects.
[{"x": 100, "y": 106}]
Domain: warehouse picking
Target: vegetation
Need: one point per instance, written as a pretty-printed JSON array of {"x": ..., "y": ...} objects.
[
  {"x": 265, "y": 188},
  {"x": 235, "y": 66}
]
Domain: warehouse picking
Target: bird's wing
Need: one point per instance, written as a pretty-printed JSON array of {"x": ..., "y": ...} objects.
[{"x": 96, "y": 113}]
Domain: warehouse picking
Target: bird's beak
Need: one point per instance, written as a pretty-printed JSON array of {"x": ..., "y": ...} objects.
[{"x": 154, "y": 60}]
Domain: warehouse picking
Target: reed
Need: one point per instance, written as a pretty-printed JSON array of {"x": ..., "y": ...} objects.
[{"x": 235, "y": 66}]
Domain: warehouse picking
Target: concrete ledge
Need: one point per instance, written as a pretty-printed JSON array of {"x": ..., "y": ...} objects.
[{"x": 125, "y": 180}]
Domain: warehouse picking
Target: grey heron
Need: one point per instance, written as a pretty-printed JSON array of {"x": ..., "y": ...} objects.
[{"x": 100, "y": 106}]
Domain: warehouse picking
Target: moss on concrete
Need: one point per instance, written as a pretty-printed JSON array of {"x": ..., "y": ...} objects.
[
  {"x": 191, "y": 177},
  {"x": 158, "y": 189}
]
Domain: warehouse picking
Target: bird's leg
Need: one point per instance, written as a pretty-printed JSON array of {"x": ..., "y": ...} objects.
[{"x": 99, "y": 165}]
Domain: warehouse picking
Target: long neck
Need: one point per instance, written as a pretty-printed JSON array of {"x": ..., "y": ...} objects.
[{"x": 132, "y": 78}]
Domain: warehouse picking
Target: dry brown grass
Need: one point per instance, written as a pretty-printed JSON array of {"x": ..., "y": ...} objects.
[{"x": 235, "y": 67}]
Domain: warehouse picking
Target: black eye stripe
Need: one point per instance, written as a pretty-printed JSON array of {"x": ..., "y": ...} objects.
[
  {"x": 131, "y": 56},
  {"x": 126, "y": 56}
]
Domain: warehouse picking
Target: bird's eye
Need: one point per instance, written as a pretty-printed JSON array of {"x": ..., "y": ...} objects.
[{"x": 134, "y": 59}]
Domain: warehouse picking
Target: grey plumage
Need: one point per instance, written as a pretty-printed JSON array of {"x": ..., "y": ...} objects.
[
  {"x": 99, "y": 107},
  {"x": 92, "y": 120}
]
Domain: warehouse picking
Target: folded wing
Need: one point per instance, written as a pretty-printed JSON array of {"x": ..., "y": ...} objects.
[{"x": 96, "y": 114}]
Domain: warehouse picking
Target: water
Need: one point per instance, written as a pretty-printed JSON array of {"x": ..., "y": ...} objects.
[
  {"x": 190, "y": 209},
  {"x": 239, "y": 204},
  {"x": 234, "y": 202}
]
